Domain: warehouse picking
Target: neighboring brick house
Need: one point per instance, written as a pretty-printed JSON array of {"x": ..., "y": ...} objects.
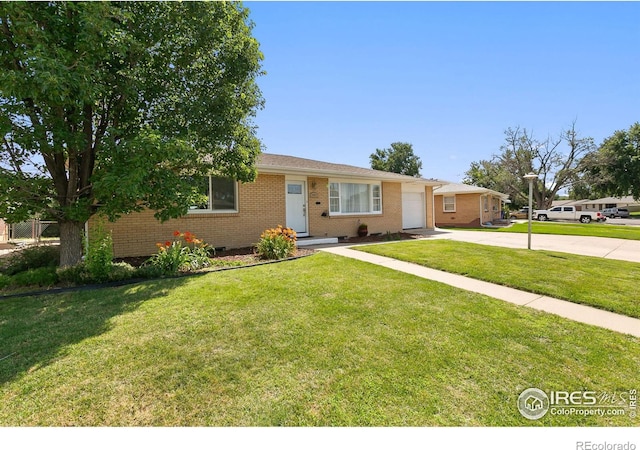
[
  {"x": 462, "y": 205},
  {"x": 601, "y": 203},
  {"x": 317, "y": 199}
]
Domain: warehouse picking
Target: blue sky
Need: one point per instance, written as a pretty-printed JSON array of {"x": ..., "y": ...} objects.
[{"x": 345, "y": 78}]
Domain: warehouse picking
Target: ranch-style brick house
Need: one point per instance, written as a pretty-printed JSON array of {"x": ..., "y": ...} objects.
[
  {"x": 317, "y": 199},
  {"x": 463, "y": 205}
]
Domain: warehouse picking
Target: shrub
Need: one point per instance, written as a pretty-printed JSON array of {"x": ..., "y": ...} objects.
[
  {"x": 148, "y": 271},
  {"x": 393, "y": 237},
  {"x": 99, "y": 253},
  {"x": 42, "y": 276},
  {"x": 4, "y": 281},
  {"x": 277, "y": 243},
  {"x": 186, "y": 253},
  {"x": 78, "y": 274},
  {"x": 122, "y": 271},
  {"x": 33, "y": 258}
]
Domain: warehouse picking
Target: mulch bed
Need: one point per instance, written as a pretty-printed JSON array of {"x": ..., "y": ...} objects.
[
  {"x": 226, "y": 259},
  {"x": 249, "y": 255},
  {"x": 241, "y": 255}
]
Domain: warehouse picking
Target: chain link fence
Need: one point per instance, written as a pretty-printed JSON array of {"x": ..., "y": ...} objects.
[{"x": 33, "y": 230}]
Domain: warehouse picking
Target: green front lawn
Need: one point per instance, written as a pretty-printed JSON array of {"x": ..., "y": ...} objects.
[
  {"x": 575, "y": 229},
  {"x": 602, "y": 283},
  {"x": 322, "y": 341}
]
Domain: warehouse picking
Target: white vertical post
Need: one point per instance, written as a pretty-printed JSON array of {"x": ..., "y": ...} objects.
[{"x": 530, "y": 176}]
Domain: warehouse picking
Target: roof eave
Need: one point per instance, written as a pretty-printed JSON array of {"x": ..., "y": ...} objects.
[
  {"x": 479, "y": 190},
  {"x": 383, "y": 176}
]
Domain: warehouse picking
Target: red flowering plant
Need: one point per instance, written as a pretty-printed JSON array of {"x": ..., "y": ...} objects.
[
  {"x": 277, "y": 243},
  {"x": 184, "y": 254}
]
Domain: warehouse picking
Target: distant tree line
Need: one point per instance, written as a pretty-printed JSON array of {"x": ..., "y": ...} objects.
[{"x": 566, "y": 161}]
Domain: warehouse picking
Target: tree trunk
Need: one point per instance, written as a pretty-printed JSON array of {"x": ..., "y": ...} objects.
[{"x": 70, "y": 243}]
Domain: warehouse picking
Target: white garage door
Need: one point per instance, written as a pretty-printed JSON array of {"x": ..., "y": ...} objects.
[{"x": 413, "y": 215}]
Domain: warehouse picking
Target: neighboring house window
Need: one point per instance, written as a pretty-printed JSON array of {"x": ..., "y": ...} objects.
[
  {"x": 449, "y": 203},
  {"x": 355, "y": 198},
  {"x": 220, "y": 194}
]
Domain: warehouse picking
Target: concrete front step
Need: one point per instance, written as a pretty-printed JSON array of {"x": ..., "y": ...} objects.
[{"x": 307, "y": 241}]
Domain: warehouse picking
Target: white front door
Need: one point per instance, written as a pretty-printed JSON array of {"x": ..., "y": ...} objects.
[{"x": 297, "y": 206}]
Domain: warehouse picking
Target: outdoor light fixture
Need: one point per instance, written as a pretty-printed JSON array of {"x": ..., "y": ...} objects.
[{"x": 530, "y": 176}]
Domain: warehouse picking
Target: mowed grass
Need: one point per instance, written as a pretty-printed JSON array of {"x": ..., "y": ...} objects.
[
  {"x": 603, "y": 283},
  {"x": 320, "y": 341},
  {"x": 575, "y": 229}
]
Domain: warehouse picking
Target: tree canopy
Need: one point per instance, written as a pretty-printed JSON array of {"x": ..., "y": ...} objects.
[
  {"x": 556, "y": 161},
  {"x": 398, "y": 159},
  {"x": 615, "y": 168},
  {"x": 113, "y": 107}
]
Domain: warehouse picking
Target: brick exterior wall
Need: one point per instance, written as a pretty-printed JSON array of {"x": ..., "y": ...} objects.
[
  {"x": 431, "y": 205},
  {"x": 467, "y": 212},
  {"x": 493, "y": 211},
  {"x": 261, "y": 205},
  {"x": 332, "y": 226}
]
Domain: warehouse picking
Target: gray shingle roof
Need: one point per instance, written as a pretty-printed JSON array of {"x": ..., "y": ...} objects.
[
  {"x": 459, "y": 188},
  {"x": 271, "y": 163}
]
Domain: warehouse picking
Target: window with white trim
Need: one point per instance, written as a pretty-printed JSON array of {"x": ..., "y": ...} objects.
[
  {"x": 355, "y": 198},
  {"x": 219, "y": 194},
  {"x": 449, "y": 203}
]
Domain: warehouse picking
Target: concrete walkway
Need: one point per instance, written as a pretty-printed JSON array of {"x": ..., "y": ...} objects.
[
  {"x": 573, "y": 311},
  {"x": 609, "y": 248}
]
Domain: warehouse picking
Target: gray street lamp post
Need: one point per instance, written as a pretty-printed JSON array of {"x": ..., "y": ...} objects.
[{"x": 530, "y": 176}]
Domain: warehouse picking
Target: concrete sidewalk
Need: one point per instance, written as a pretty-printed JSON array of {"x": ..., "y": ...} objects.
[{"x": 573, "y": 311}]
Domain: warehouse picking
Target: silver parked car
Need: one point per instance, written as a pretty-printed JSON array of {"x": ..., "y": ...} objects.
[{"x": 623, "y": 213}]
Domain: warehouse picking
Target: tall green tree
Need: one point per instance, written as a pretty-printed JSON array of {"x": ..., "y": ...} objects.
[
  {"x": 581, "y": 189},
  {"x": 556, "y": 161},
  {"x": 112, "y": 107},
  {"x": 398, "y": 159},
  {"x": 615, "y": 168}
]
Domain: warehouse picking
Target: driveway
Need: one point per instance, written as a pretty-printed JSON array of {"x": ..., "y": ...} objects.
[{"x": 622, "y": 249}]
